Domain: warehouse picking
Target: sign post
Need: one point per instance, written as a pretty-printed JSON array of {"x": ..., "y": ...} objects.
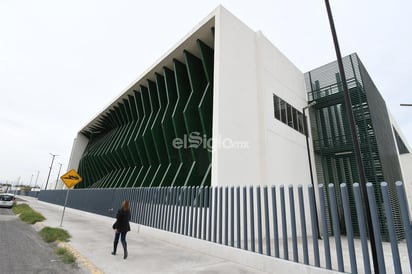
[{"x": 70, "y": 179}]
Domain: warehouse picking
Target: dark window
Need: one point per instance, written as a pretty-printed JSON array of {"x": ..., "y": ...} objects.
[
  {"x": 283, "y": 111},
  {"x": 287, "y": 114},
  {"x": 300, "y": 122},
  {"x": 295, "y": 118},
  {"x": 276, "y": 104}
]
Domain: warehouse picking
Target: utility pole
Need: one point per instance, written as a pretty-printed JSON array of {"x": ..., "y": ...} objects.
[
  {"x": 51, "y": 165},
  {"x": 356, "y": 147}
]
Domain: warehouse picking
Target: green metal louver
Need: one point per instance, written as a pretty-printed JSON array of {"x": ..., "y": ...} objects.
[
  {"x": 131, "y": 145},
  {"x": 335, "y": 160}
]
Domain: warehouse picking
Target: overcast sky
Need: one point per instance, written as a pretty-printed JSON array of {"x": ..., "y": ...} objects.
[{"x": 63, "y": 62}]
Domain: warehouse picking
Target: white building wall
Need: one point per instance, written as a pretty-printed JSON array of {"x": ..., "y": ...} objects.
[
  {"x": 235, "y": 103},
  {"x": 248, "y": 71},
  {"x": 79, "y": 145},
  {"x": 285, "y": 151}
]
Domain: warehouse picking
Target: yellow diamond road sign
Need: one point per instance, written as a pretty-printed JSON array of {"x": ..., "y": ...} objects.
[{"x": 71, "y": 178}]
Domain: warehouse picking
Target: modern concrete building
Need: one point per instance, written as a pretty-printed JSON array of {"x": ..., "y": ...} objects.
[
  {"x": 215, "y": 87},
  {"x": 225, "y": 107}
]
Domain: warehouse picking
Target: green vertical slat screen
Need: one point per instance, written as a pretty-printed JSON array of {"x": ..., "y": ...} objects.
[{"x": 132, "y": 144}]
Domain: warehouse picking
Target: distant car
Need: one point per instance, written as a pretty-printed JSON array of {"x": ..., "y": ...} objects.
[{"x": 7, "y": 200}]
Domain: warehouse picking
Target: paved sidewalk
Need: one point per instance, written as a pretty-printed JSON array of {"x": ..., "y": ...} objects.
[{"x": 92, "y": 240}]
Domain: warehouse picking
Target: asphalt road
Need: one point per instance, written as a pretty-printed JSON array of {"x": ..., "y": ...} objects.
[{"x": 23, "y": 251}]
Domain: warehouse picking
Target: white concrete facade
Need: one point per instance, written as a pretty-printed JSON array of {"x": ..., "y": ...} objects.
[{"x": 248, "y": 71}]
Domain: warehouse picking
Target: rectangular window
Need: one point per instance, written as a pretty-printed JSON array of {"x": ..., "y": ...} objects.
[
  {"x": 300, "y": 122},
  {"x": 295, "y": 118},
  {"x": 283, "y": 111},
  {"x": 290, "y": 116},
  {"x": 287, "y": 114},
  {"x": 276, "y": 104}
]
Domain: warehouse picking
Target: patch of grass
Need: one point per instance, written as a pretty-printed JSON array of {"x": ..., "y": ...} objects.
[
  {"x": 51, "y": 234},
  {"x": 65, "y": 255},
  {"x": 27, "y": 214}
]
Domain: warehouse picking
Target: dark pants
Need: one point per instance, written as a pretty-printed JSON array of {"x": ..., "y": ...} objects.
[{"x": 122, "y": 236}]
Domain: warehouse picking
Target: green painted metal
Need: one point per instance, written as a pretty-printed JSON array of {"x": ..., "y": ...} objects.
[
  {"x": 132, "y": 143},
  {"x": 333, "y": 144}
]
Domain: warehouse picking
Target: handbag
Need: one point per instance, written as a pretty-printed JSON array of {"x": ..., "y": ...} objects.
[{"x": 114, "y": 226}]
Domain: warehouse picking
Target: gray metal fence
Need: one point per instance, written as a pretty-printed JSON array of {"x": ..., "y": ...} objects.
[{"x": 270, "y": 220}]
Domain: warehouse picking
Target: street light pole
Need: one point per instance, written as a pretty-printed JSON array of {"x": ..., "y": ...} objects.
[
  {"x": 51, "y": 165},
  {"x": 356, "y": 146},
  {"x": 58, "y": 174}
]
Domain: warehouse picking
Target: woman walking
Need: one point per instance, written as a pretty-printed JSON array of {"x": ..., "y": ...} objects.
[{"x": 121, "y": 227}]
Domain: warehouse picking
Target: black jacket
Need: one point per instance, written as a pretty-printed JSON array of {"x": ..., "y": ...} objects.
[{"x": 122, "y": 221}]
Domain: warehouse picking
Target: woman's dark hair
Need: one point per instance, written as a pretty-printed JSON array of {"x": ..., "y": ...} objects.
[{"x": 125, "y": 205}]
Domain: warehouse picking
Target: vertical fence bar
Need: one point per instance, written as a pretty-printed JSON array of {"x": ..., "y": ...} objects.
[
  {"x": 293, "y": 224},
  {"x": 375, "y": 223},
  {"x": 196, "y": 209},
  {"x": 391, "y": 227},
  {"x": 405, "y": 219},
  {"x": 191, "y": 205},
  {"x": 149, "y": 207},
  {"x": 348, "y": 225},
  {"x": 284, "y": 225},
  {"x": 206, "y": 205},
  {"x": 226, "y": 224},
  {"x": 183, "y": 209},
  {"x": 187, "y": 209},
  {"x": 139, "y": 203},
  {"x": 325, "y": 227},
  {"x": 303, "y": 225},
  {"x": 163, "y": 209},
  {"x": 314, "y": 222},
  {"x": 252, "y": 220},
  {"x": 142, "y": 206},
  {"x": 245, "y": 239},
  {"x": 335, "y": 223},
  {"x": 159, "y": 207},
  {"x": 215, "y": 214},
  {"x": 275, "y": 222},
  {"x": 154, "y": 208},
  {"x": 267, "y": 226},
  {"x": 232, "y": 217},
  {"x": 201, "y": 200},
  {"x": 137, "y": 199},
  {"x": 259, "y": 219},
  {"x": 169, "y": 208},
  {"x": 172, "y": 208},
  {"x": 209, "y": 235},
  {"x": 220, "y": 214},
  {"x": 238, "y": 216},
  {"x": 181, "y": 201},
  {"x": 362, "y": 227},
  {"x": 175, "y": 208}
]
